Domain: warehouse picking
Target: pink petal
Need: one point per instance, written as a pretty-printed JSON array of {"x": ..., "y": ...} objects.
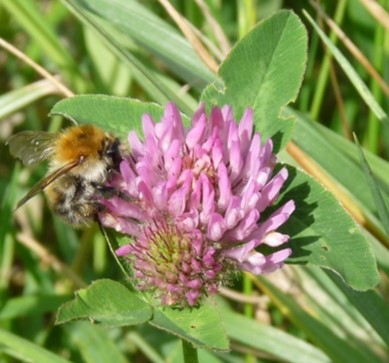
[
  {"x": 234, "y": 213},
  {"x": 199, "y": 113},
  {"x": 217, "y": 154},
  {"x": 252, "y": 159},
  {"x": 240, "y": 253},
  {"x": 124, "y": 250},
  {"x": 196, "y": 134},
  {"x": 244, "y": 228},
  {"x": 208, "y": 199},
  {"x": 119, "y": 224},
  {"x": 216, "y": 227},
  {"x": 276, "y": 260},
  {"x": 188, "y": 221},
  {"x": 254, "y": 263},
  {"x": 224, "y": 187},
  {"x": 271, "y": 190},
  {"x": 236, "y": 160},
  {"x": 216, "y": 118},
  {"x": 275, "y": 239},
  {"x": 279, "y": 217},
  {"x": 137, "y": 147},
  {"x": 227, "y": 113},
  {"x": 148, "y": 126},
  {"x": 177, "y": 201},
  {"x": 246, "y": 127}
]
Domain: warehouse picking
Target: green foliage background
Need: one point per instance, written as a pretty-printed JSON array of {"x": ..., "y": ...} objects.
[{"x": 133, "y": 48}]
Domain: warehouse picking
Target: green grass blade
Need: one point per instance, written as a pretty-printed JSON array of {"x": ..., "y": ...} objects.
[
  {"x": 283, "y": 346},
  {"x": 110, "y": 74},
  {"x": 324, "y": 74},
  {"x": 95, "y": 344},
  {"x": 371, "y": 305},
  {"x": 31, "y": 304},
  {"x": 135, "y": 21},
  {"x": 147, "y": 349},
  {"x": 16, "y": 100},
  {"x": 24, "y": 350},
  {"x": 351, "y": 74},
  {"x": 318, "y": 294},
  {"x": 338, "y": 349},
  {"x": 153, "y": 85},
  {"x": 7, "y": 246},
  {"x": 374, "y": 188}
]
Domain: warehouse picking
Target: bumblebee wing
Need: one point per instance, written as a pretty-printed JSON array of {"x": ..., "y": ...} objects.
[
  {"x": 46, "y": 181},
  {"x": 32, "y": 146}
]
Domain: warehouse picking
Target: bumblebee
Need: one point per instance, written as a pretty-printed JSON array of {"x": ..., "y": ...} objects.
[{"x": 81, "y": 160}]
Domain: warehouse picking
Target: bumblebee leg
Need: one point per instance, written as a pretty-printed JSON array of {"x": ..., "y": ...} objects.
[{"x": 109, "y": 192}]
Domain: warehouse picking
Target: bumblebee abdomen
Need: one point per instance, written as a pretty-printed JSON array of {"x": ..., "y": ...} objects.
[{"x": 74, "y": 200}]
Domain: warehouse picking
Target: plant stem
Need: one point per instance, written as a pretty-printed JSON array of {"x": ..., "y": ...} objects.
[
  {"x": 248, "y": 310},
  {"x": 248, "y": 290},
  {"x": 189, "y": 352}
]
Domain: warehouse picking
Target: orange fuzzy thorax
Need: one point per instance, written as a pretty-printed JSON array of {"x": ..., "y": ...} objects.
[{"x": 80, "y": 142}]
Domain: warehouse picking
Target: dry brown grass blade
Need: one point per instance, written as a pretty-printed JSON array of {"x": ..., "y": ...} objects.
[
  {"x": 241, "y": 297},
  {"x": 213, "y": 23},
  {"x": 190, "y": 35},
  {"x": 340, "y": 103},
  {"x": 216, "y": 52},
  {"x": 359, "y": 56},
  {"x": 47, "y": 258},
  {"x": 377, "y": 11},
  {"x": 338, "y": 94},
  {"x": 40, "y": 70}
]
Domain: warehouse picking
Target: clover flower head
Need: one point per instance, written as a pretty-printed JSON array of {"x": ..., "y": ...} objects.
[{"x": 196, "y": 197}]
